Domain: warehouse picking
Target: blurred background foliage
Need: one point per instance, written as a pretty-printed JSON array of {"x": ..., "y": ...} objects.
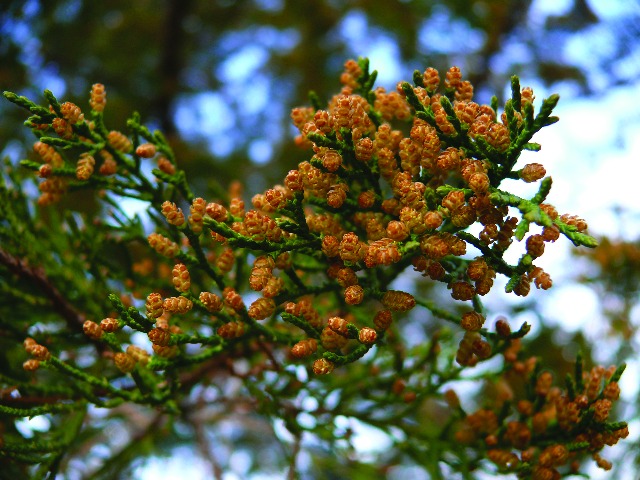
[{"x": 220, "y": 77}]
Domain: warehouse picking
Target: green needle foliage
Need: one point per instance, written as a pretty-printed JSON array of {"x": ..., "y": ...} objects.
[{"x": 292, "y": 309}]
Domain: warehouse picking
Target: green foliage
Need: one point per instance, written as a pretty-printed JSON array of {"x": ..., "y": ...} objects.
[{"x": 394, "y": 180}]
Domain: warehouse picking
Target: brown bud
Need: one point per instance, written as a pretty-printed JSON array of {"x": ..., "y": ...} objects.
[
  {"x": 543, "y": 383},
  {"x": 109, "y": 325},
  {"x": 398, "y": 301},
  {"x": 154, "y": 305},
  {"x": 409, "y": 397},
  {"x": 159, "y": 336},
  {"x": 382, "y": 320},
  {"x": 432, "y": 219},
  {"x": 479, "y": 182},
  {"x": 165, "y": 351},
  {"x": 231, "y": 330},
  {"x": 472, "y": 321},
  {"x": 177, "y": 304},
  {"x": 165, "y": 165},
  {"x": 138, "y": 354},
  {"x": 354, "y": 294},
  {"x": 119, "y": 141},
  {"x": 31, "y": 365},
  {"x": 45, "y": 170},
  {"x": 98, "y": 97},
  {"x": 304, "y": 348},
  {"x": 532, "y": 172},
  {"x": 217, "y": 211},
  {"x": 173, "y": 214},
  {"x": 331, "y": 340},
  {"x": 124, "y": 362},
  {"x": 262, "y": 308},
  {"x": 451, "y": 397},
  {"x": 332, "y": 160},
  {"x": 233, "y": 299},
  {"x": 366, "y": 199},
  {"x": 462, "y": 291},
  {"x": 293, "y": 181},
  {"x": 322, "y": 366},
  {"x": 535, "y": 245},
  {"x": 398, "y": 386},
  {"x": 502, "y": 328},
  {"x": 338, "y": 325},
  {"x": 211, "y": 301},
  {"x": 397, "y": 230},
  {"x": 367, "y": 335},
  {"x": 40, "y": 352},
  {"x": 92, "y": 330},
  {"x": 181, "y": 278},
  {"x": 330, "y": 246},
  {"x": 146, "y": 150},
  {"x": 273, "y": 287}
]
